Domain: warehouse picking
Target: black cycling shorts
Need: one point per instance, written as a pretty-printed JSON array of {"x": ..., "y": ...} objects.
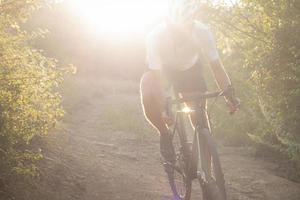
[{"x": 190, "y": 80}]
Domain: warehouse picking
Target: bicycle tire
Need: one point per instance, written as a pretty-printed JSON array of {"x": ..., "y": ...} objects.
[
  {"x": 178, "y": 172},
  {"x": 214, "y": 185}
]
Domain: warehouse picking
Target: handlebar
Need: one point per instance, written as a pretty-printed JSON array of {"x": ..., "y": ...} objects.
[
  {"x": 192, "y": 97},
  {"x": 198, "y": 96}
]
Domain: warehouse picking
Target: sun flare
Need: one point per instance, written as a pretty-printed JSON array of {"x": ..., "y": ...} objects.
[{"x": 119, "y": 17}]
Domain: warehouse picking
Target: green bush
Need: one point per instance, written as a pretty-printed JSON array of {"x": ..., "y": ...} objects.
[
  {"x": 29, "y": 101},
  {"x": 260, "y": 48}
]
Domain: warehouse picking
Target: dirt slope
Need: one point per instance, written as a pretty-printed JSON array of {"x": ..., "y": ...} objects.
[{"x": 97, "y": 156}]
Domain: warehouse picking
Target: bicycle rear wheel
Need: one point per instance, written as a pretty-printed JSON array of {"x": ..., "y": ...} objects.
[{"x": 213, "y": 187}]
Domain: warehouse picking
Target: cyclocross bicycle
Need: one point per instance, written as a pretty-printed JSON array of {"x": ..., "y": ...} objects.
[{"x": 197, "y": 159}]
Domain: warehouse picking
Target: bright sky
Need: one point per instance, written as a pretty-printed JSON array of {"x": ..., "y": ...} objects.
[{"x": 119, "y": 17}]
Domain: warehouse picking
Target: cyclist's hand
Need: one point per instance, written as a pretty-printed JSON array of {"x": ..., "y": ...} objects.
[
  {"x": 166, "y": 118},
  {"x": 233, "y": 104}
]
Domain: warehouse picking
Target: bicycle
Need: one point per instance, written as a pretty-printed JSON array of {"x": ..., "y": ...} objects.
[{"x": 202, "y": 149}]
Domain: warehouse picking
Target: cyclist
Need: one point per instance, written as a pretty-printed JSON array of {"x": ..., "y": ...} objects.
[{"x": 175, "y": 51}]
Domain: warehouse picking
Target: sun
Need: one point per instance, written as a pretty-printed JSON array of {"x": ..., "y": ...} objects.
[{"x": 118, "y": 17}]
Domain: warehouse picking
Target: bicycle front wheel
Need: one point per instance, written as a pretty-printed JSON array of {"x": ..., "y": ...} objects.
[
  {"x": 213, "y": 184},
  {"x": 181, "y": 184}
]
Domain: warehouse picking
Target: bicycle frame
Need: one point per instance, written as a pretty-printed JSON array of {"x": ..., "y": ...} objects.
[
  {"x": 197, "y": 147},
  {"x": 199, "y": 158}
]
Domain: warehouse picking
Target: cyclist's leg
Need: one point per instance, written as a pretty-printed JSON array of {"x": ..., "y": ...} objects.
[{"x": 151, "y": 103}]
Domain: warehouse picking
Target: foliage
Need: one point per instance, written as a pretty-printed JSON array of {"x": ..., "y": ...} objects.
[
  {"x": 261, "y": 49},
  {"x": 29, "y": 101}
]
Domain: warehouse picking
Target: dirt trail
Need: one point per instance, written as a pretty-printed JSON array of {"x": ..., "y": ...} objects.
[{"x": 93, "y": 159}]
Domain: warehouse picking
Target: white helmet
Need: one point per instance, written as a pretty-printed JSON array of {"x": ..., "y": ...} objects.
[{"x": 182, "y": 11}]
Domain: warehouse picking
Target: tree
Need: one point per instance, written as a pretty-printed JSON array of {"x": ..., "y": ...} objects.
[{"x": 261, "y": 45}]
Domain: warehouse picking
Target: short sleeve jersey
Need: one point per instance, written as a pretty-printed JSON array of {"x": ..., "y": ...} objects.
[{"x": 179, "y": 51}]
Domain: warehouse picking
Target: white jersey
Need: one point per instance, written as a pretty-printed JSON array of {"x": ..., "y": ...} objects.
[{"x": 179, "y": 51}]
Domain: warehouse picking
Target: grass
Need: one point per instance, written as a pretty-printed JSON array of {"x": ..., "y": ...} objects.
[
  {"x": 78, "y": 90},
  {"x": 118, "y": 101},
  {"x": 124, "y": 113}
]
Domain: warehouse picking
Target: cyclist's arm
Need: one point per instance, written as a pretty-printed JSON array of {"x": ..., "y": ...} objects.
[
  {"x": 224, "y": 83},
  {"x": 210, "y": 50},
  {"x": 220, "y": 74},
  {"x": 221, "y": 77}
]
